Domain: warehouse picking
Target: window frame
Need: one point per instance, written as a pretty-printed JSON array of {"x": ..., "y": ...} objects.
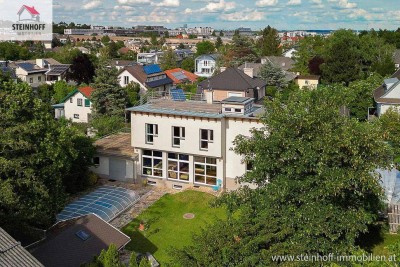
[
  {"x": 210, "y": 138},
  {"x": 87, "y": 103},
  {"x": 79, "y": 102},
  {"x": 180, "y": 137},
  {"x": 178, "y": 173},
  {"x": 152, "y": 134},
  {"x": 154, "y": 171},
  {"x": 76, "y": 116},
  {"x": 206, "y": 165}
]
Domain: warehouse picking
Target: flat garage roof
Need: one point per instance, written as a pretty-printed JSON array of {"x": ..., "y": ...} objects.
[{"x": 106, "y": 202}]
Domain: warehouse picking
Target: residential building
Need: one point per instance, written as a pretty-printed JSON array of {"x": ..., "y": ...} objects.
[
  {"x": 121, "y": 63},
  {"x": 5, "y": 69},
  {"x": 290, "y": 53},
  {"x": 40, "y": 71},
  {"x": 148, "y": 77},
  {"x": 76, "y": 241},
  {"x": 310, "y": 81},
  {"x": 115, "y": 158},
  {"x": 388, "y": 94},
  {"x": 205, "y": 65},
  {"x": 12, "y": 253},
  {"x": 76, "y": 106},
  {"x": 149, "y": 58},
  {"x": 179, "y": 75},
  {"x": 184, "y": 143},
  {"x": 234, "y": 82}
]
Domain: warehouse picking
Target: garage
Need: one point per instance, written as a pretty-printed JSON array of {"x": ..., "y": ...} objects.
[{"x": 117, "y": 169}]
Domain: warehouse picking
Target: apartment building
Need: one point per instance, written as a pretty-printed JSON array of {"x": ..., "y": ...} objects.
[{"x": 183, "y": 144}]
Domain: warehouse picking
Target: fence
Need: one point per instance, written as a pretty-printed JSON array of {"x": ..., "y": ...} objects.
[
  {"x": 393, "y": 217},
  {"x": 152, "y": 96}
]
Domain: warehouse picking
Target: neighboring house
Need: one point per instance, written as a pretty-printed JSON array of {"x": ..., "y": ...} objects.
[
  {"x": 388, "y": 94},
  {"x": 84, "y": 50},
  {"x": 183, "y": 144},
  {"x": 148, "y": 77},
  {"x": 290, "y": 53},
  {"x": 234, "y": 82},
  {"x": 13, "y": 254},
  {"x": 76, "y": 241},
  {"x": 181, "y": 54},
  {"x": 205, "y": 65},
  {"x": 76, "y": 106},
  {"x": 310, "y": 81},
  {"x": 179, "y": 75},
  {"x": 396, "y": 58},
  {"x": 40, "y": 71},
  {"x": 121, "y": 63},
  {"x": 7, "y": 70},
  {"x": 149, "y": 58},
  {"x": 115, "y": 158},
  {"x": 285, "y": 64}
]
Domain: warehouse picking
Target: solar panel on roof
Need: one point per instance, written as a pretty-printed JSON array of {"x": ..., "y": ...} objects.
[
  {"x": 150, "y": 69},
  {"x": 178, "y": 94},
  {"x": 179, "y": 75},
  {"x": 26, "y": 66}
]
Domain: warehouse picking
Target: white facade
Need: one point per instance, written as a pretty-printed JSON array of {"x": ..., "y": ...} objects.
[
  {"x": 390, "y": 97},
  {"x": 78, "y": 108},
  {"x": 125, "y": 78},
  {"x": 205, "y": 66},
  {"x": 105, "y": 169},
  {"x": 221, "y": 163},
  {"x": 32, "y": 78}
]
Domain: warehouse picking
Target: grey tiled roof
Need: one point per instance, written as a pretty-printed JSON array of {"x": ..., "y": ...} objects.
[
  {"x": 12, "y": 254},
  {"x": 396, "y": 56}
]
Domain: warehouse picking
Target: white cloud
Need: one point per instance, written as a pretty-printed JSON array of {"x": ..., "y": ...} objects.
[
  {"x": 188, "y": 11},
  {"x": 343, "y": 3},
  {"x": 316, "y": 1},
  {"x": 263, "y": 3},
  {"x": 294, "y": 2},
  {"x": 219, "y": 6},
  {"x": 134, "y": 2},
  {"x": 92, "y": 4},
  {"x": 123, "y": 7},
  {"x": 246, "y": 15},
  {"x": 167, "y": 3}
]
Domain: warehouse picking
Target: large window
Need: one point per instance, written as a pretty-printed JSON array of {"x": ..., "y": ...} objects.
[
  {"x": 126, "y": 79},
  {"x": 206, "y": 137},
  {"x": 205, "y": 170},
  {"x": 178, "y": 166},
  {"x": 178, "y": 134},
  {"x": 152, "y": 163},
  {"x": 151, "y": 132},
  {"x": 79, "y": 102}
]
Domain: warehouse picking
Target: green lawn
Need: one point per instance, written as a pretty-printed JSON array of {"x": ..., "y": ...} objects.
[
  {"x": 377, "y": 240},
  {"x": 166, "y": 226}
]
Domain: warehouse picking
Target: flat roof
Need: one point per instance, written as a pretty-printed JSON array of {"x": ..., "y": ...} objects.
[
  {"x": 191, "y": 108},
  {"x": 237, "y": 100},
  {"x": 116, "y": 145}
]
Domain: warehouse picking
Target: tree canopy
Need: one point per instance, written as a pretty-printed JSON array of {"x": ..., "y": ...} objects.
[
  {"x": 317, "y": 186},
  {"x": 205, "y": 47},
  {"x": 270, "y": 42}
]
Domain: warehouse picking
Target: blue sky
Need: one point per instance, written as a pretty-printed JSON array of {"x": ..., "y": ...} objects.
[{"x": 230, "y": 14}]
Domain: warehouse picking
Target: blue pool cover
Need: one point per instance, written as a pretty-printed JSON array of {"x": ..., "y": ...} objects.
[{"x": 106, "y": 202}]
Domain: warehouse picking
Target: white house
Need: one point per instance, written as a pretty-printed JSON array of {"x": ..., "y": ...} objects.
[
  {"x": 205, "y": 65},
  {"x": 149, "y": 58},
  {"x": 76, "y": 106},
  {"x": 148, "y": 77},
  {"x": 388, "y": 94},
  {"x": 184, "y": 144}
]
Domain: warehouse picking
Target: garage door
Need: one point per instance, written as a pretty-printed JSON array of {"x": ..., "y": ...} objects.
[
  {"x": 234, "y": 94},
  {"x": 117, "y": 169}
]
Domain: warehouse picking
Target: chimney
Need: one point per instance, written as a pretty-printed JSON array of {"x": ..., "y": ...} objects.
[
  {"x": 222, "y": 69},
  {"x": 209, "y": 94},
  {"x": 249, "y": 72},
  {"x": 40, "y": 62}
]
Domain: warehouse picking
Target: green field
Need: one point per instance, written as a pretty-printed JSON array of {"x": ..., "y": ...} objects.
[{"x": 165, "y": 225}]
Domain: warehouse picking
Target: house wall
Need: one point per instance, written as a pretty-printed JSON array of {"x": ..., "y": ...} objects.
[
  {"x": 382, "y": 108},
  {"x": 307, "y": 83},
  {"x": 393, "y": 92},
  {"x": 103, "y": 169},
  {"x": 229, "y": 165},
  {"x": 143, "y": 88},
  {"x": 24, "y": 76},
  {"x": 72, "y": 108},
  {"x": 201, "y": 64}
]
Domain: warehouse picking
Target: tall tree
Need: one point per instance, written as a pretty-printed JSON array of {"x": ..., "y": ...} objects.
[
  {"x": 81, "y": 70},
  {"x": 108, "y": 98},
  {"x": 343, "y": 58},
  {"x": 241, "y": 50},
  {"x": 317, "y": 189},
  {"x": 218, "y": 43},
  {"x": 273, "y": 75},
  {"x": 188, "y": 64},
  {"x": 308, "y": 48},
  {"x": 205, "y": 47},
  {"x": 168, "y": 60},
  {"x": 36, "y": 154},
  {"x": 270, "y": 42}
]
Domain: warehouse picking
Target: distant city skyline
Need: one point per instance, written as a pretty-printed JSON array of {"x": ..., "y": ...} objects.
[{"x": 231, "y": 14}]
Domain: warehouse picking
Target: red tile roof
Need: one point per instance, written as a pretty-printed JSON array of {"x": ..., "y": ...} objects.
[
  {"x": 190, "y": 76},
  {"x": 86, "y": 91},
  {"x": 31, "y": 10}
]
